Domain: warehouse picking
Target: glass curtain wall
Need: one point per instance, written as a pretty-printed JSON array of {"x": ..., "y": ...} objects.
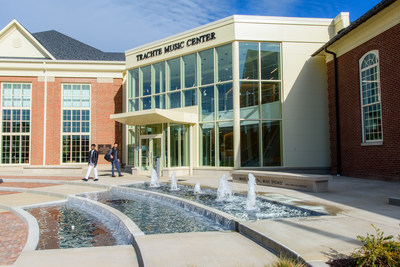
[
  {"x": 204, "y": 79},
  {"x": 260, "y": 104},
  {"x": 216, "y": 107}
]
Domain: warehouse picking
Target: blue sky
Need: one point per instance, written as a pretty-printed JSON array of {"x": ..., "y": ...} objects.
[{"x": 118, "y": 25}]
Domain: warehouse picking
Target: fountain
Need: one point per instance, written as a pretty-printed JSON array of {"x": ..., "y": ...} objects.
[
  {"x": 154, "y": 179},
  {"x": 251, "y": 194},
  {"x": 174, "y": 184},
  {"x": 197, "y": 189},
  {"x": 224, "y": 192}
]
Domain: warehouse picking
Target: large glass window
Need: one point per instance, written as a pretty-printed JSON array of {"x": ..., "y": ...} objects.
[
  {"x": 159, "y": 101},
  {"x": 248, "y": 61},
  {"x": 207, "y": 66},
  {"x": 15, "y": 123},
  {"x": 190, "y": 98},
  {"x": 270, "y": 61},
  {"x": 260, "y": 104},
  {"x": 179, "y": 144},
  {"x": 270, "y": 100},
  {"x": 190, "y": 70},
  {"x": 146, "y": 80},
  {"x": 225, "y": 143},
  {"x": 225, "y": 101},
  {"x": 174, "y": 74},
  {"x": 75, "y": 123},
  {"x": 175, "y": 100},
  {"x": 224, "y": 63},
  {"x": 271, "y": 140},
  {"x": 133, "y": 83},
  {"x": 159, "y": 78},
  {"x": 207, "y": 144},
  {"x": 249, "y": 144},
  {"x": 174, "y": 144},
  {"x": 249, "y": 100},
  {"x": 370, "y": 97},
  {"x": 207, "y": 103}
]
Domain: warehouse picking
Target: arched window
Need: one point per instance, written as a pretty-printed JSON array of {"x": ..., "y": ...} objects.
[{"x": 370, "y": 97}]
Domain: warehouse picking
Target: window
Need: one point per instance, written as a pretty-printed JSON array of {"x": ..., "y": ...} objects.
[
  {"x": 370, "y": 97},
  {"x": 15, "y": 123},
  {"x": 75, "y": 122},
  {"x": 260, "y": 104},
  {"x": 203, "y": 78}
]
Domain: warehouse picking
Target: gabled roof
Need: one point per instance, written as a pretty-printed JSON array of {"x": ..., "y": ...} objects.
[
  {"x": 26, "y": 35},
  {"x": 52, "y": 45},
  {"x": 63, "y": 47},
  {"x": 372, "y": 12}
]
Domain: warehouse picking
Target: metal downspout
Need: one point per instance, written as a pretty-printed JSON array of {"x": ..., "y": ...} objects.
[{"x": 338, "y": 138}]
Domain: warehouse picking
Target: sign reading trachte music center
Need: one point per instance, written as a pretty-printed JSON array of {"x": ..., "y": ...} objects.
[{"x": 177, "y": 46}]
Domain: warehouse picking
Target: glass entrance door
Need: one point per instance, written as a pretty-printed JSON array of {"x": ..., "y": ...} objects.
[{"x": 150, "y": 151}]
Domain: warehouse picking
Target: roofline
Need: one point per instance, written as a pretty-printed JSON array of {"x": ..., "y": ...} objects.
[
  {"x": 14, "y": 21},
  {"x": 237, "y": 18},
  {"x": 369, "y": 14},
  {"x": 27, "y": 60}
]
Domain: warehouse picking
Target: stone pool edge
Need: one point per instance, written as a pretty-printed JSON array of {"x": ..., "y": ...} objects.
[
  {"x": 239, "y": 226},
  {"x": 32, "y": 240}
]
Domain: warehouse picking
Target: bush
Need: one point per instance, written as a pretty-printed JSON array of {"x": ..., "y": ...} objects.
[
  {"x": 378, "y": 250},
  {"x": 287, "y": 262}
]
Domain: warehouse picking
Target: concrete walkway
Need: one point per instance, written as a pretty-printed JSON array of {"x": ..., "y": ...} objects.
[
  {"x": 202, "y": 249},
  {"x": 116, "y": 256},
  {"x": 353, "y": 205}
]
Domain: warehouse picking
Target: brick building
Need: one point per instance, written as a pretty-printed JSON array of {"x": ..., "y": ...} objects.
[
  {"x": 57, "y": 95},
  {"x": 364, "y": 93}
]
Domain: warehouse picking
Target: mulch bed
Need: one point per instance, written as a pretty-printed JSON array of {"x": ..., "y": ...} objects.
[{"x": 342, "y": 263}]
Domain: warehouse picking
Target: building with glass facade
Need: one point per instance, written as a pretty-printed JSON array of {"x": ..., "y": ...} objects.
[{"x": 242, "y": 92}]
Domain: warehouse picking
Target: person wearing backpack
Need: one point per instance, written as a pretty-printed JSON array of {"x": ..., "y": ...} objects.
[
  {"x": 115, "y": 160},
  {"x": 92, "y": 162}
]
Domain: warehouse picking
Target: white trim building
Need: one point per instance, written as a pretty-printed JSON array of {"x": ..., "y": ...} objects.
[{"x": 241, "y": 92}]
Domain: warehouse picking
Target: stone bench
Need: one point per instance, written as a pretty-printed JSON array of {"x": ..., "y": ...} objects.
[
  {"x": 67, "y": 170},
  {"x": 394, "y": 201},
  {"x": 304, "y": 182}
]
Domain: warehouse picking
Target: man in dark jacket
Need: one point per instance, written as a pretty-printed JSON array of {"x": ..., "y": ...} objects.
[
  {"x": 92, "y": 162},
  {"x": 115, "y": 160}
]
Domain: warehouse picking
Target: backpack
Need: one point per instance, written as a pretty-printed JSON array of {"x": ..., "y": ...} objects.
[{"x": 108, "y": 156}]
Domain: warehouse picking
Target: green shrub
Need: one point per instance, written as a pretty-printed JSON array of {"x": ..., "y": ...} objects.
[
  {"x": 287, "y": 262},
  {"x": 378, "y": 250}
]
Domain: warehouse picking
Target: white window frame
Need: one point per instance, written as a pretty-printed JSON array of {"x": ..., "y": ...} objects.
[
  {"x": 80, "y": 133},
  {"x": 11, "y": 133},
  {"x": 361, "y": 70}
]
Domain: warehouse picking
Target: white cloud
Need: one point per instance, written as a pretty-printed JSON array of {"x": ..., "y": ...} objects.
[{"x": 118, "y": 25}]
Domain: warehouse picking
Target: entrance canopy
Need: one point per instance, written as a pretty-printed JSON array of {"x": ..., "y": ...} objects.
[{"x": 186, "y": 115}]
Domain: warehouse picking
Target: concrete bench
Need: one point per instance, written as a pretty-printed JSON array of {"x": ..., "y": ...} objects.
[
  {"x": 67, "y": 170},
  {"x": 304, "y": 182},
  {"x": 394, "y": 201}
]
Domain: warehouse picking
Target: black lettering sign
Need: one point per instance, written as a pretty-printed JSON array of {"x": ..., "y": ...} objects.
[{"x": 177, "y": 46}]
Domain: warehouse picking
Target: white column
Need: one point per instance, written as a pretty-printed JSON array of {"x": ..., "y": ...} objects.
[{"x": 236, "y": 105}]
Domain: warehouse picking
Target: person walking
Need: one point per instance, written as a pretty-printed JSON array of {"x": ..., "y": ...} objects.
[
  {"x": 115, "y": 160},
  {"x": 92, "y": 162}
]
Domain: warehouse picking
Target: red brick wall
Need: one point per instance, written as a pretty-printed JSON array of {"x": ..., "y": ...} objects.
[
  {"x": 383, "y": 161},
  {"x": 106, "y": 99}
]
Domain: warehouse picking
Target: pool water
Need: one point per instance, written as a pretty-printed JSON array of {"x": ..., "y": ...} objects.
[
  {"x": 235, "y": 206},
  {"x": 153, "y": 216},
  {"x": 64, "y": 227}
]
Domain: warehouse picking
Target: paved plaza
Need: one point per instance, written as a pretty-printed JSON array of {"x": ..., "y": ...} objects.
[{"x": 352, "y": 205}]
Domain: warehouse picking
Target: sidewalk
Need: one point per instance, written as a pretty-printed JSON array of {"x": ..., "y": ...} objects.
[{"x": 352, "y": 204}]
